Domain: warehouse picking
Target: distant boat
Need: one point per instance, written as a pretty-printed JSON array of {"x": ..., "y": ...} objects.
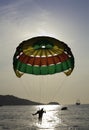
[
  {"x": 78, "y": 102},
  {"x": 64, "y": 108}
]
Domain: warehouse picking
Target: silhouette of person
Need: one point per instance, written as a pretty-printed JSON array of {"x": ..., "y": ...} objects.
[{"x": 40, "y": 114}]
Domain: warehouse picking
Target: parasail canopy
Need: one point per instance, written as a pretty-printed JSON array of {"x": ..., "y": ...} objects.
[{"x": 43, "y": 55}]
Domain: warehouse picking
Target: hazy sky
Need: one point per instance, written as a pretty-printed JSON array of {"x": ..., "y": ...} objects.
[{"x": 66, "y": 20}]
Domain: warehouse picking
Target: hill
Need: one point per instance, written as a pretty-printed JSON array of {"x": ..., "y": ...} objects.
[
  {"x": 12, "y": 100},
  {"x": 53, "y": 103}
]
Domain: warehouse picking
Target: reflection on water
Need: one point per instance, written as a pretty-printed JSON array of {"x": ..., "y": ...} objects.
[{"x": 50, "y": 118}]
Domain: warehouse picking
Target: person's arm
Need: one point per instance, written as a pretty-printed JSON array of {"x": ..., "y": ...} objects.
[
  {"x": 44, "y": 111},
  {"x": 35, "y": 113}
]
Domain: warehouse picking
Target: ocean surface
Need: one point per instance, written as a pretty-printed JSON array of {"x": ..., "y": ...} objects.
[{"x": 21, "y": 118}]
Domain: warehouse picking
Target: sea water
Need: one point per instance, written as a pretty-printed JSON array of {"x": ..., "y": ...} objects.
[{"x": 21, "y": 118}]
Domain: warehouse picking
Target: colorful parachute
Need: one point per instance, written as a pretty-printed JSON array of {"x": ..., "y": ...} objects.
[{"x": 41, "y": 56}]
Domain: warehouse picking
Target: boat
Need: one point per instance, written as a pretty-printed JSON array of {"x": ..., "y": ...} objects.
[
  {"x": 64, "y": 108},
  {"x": 78, "y": 102}
]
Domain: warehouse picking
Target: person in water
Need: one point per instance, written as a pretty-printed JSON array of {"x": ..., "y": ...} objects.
[{"x": 40, "y": 114}]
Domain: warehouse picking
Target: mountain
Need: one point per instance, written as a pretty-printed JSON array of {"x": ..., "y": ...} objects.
[{"x": 12, "y": 100}]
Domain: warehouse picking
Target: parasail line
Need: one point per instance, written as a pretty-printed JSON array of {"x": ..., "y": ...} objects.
[{"x": 59, "y": 88}]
